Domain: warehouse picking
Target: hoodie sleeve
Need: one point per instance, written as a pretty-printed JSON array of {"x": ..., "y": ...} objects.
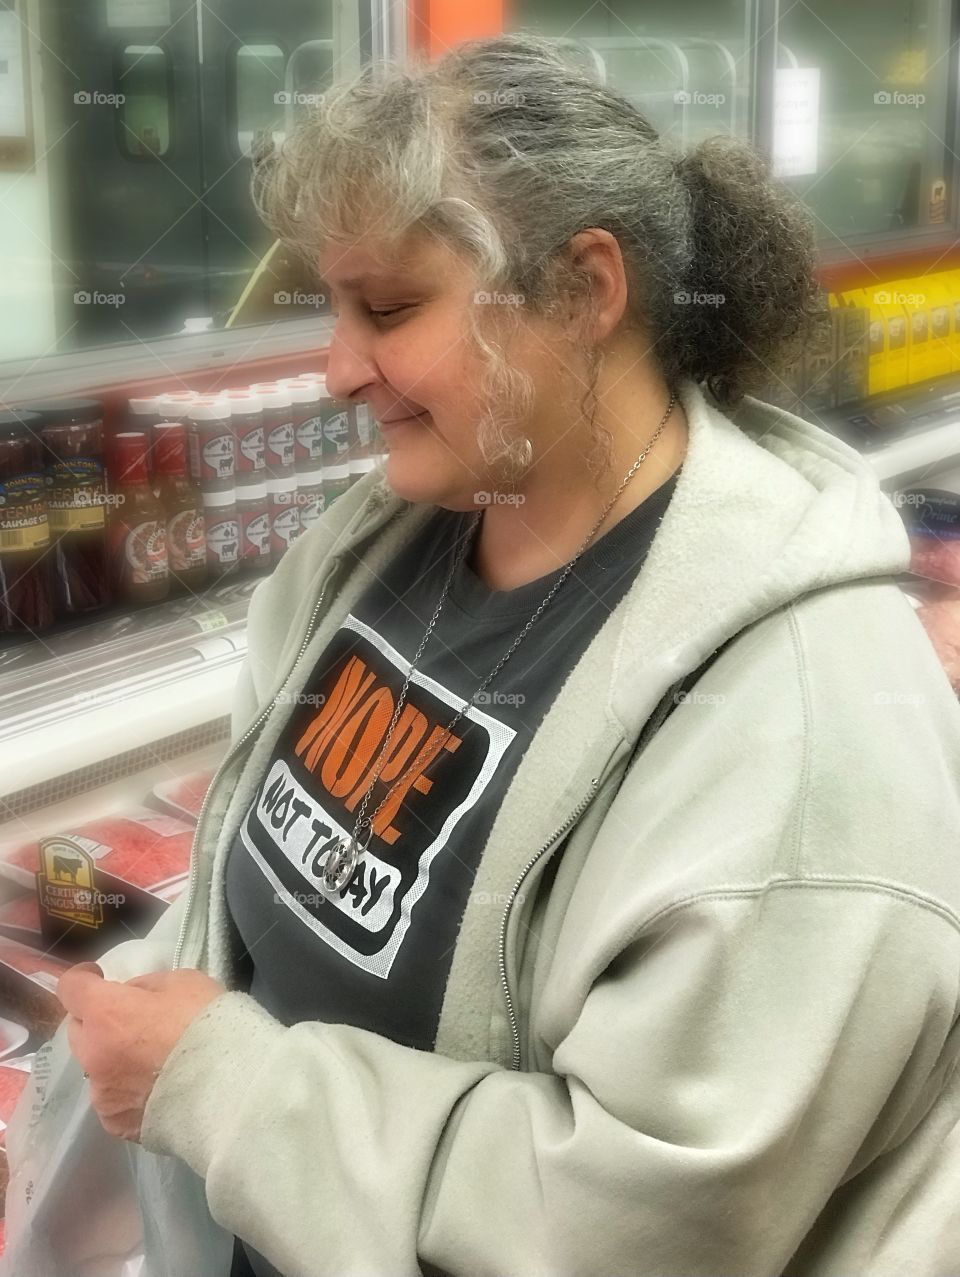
[{"x": 731, "y": 1066}]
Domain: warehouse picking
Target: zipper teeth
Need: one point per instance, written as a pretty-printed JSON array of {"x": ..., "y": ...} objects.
[
  {"x": 514, "y": 1028},
  {"x": 195, "y": 860}
]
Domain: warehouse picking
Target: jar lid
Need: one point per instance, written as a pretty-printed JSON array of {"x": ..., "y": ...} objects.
[
  {"x": 272, "y": 394},
  {"x": 302, "y": 391},
  {"x": 15, "y": 424},
  {"x": 175, "y": 405},
  {"x": 244, "y": 403},
  {"x": 310, "y": 478},
  {"x": 219, "y": 498},
  {"x": 209, "y": 408},
  {"x": 252, "y": 491},
  {"x": 282, "y": 483},
  {"x": 63, "y": 412}
]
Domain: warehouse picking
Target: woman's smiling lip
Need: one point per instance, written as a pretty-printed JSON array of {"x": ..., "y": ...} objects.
[{"x": 399, "y": 421}]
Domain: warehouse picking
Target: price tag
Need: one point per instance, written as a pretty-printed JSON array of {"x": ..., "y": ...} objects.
[{"x": 211, "y": 621}]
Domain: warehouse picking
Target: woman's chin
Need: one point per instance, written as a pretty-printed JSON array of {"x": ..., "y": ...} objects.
[
  {"x": 408, "y": 481},
  {"x": 412, "y": 482}
]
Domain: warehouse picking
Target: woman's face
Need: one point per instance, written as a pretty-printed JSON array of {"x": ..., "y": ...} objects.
[{"x": 399, "y": 344}]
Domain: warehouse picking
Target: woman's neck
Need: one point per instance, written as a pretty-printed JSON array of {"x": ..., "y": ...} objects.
[{"x": 520, "y": 542}]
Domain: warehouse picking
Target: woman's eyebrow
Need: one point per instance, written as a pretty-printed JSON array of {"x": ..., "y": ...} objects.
[{"x": 359, "y": 281}]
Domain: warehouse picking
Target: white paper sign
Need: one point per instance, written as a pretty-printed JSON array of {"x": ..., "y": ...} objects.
[
  {"x": 138, "y": 13},
  {"x": 796, "y": 121},
  {"x": 13, "y": 107}
]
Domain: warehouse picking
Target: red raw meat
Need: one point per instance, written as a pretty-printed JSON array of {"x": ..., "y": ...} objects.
[
  {"x": 185, "y": 794},
  {"x": 23, "y": 911},
  {"x": 941, "y": 620},
  {"x": 12, "y": 1082},
  {"x": 938, "y": 560},
  {"x": 32, "y": 963},
  {"x": 141, "y": 847}
]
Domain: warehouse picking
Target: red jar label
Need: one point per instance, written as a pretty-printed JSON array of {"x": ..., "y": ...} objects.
[
  {"x": 143, "y": 556},
  {"x": 223, "y": 540},
  {"x": 280, "y": 444},
  {"x": 186, "y": 540},
  {"x": 309, "y": 441},
  {"x": 250, "y": 449},
  {"x": 255, "y": 534}
]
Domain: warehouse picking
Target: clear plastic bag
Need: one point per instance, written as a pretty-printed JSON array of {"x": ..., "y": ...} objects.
[
  {"x": 72, "y": 1208},
  {"x": 82, "y": 1203}
]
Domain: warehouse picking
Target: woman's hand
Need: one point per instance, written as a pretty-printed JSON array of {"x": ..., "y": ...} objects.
[{"x": 122, "y": 1034}]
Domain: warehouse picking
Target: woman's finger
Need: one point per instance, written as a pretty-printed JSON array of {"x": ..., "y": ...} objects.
[{"x": 75, "y": 987}]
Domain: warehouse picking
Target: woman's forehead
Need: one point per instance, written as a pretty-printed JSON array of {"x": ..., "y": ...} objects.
[{"x": 367, "y": 262}]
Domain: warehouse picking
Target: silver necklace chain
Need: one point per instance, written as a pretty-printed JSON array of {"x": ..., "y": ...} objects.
[{"x": 341, "y": 862}]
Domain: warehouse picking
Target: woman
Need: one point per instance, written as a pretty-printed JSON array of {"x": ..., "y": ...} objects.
[{"x": 477, "y": 974}]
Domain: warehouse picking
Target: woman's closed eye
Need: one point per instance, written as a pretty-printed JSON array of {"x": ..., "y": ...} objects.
[{"x": 388, "y": 313}]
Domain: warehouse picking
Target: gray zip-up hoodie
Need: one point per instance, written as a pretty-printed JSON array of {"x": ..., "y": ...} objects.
[{"x": 722, "y": 1039}]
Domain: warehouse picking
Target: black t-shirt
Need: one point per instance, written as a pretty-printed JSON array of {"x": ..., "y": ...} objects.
[{"x": 377, "y": 955}]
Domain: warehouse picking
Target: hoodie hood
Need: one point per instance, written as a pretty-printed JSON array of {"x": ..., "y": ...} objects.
[{"x": 767, "y": 507}]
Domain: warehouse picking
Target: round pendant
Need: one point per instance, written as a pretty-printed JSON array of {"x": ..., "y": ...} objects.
[{"x": 340, "y": 865}]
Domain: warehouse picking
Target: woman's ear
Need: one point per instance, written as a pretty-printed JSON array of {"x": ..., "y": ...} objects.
[{"x": 595, "y": 255}]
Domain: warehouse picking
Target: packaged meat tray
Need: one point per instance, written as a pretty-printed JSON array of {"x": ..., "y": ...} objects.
[
  {"x": 20, "y": 919},
  {"x": 184, "y": 795},
  {"x": 103, "y": 881},
  {"x": 941, "y": 620},
  {"x": 931, "y": 516},
  {"x": 13, "y": 1038},
  {"x": 937, "y": 607},
  {"x": 28, "y": 984},
  {"x": 13, "y": 1078}
]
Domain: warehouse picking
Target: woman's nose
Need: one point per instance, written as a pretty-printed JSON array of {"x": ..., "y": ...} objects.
[{"x": 349, "y": 367}]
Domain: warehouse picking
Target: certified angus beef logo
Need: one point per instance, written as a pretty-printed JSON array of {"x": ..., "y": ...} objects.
[
  {"x": 65, "y": 883},
  {"x": 321, "y": 769}
]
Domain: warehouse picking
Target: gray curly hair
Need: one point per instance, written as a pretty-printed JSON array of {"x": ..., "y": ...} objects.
[{"x": 505, "y": 149}]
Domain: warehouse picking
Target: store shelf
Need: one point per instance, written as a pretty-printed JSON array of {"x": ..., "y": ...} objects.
[
  {"x": 918, "y": 456},
  {"x": 120, "y": 724},
  {"x": 906, "y": 435},
  {"x": 85, "y": 706}
]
